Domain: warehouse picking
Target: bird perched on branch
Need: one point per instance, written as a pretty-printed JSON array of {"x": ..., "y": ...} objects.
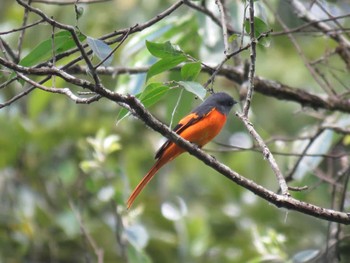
[{"x": 199, "y": 127}]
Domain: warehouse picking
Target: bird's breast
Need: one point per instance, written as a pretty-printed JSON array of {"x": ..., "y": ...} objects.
[{"x": 206, "y": 129}]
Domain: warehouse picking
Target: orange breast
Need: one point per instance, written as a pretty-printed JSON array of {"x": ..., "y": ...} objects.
[
  {"x": 206, "y": 129},
  {"x": 199, "y": 133}
]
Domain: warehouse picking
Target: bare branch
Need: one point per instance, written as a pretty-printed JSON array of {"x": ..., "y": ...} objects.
[
  {"x": 264, "y": 86},
  {"x": 65, "y": 91},
  {"x": 22, "y": 27},
  {"x": 301, "y": 29},
  {"x": 266, "y": 153},
  {"x": 290, "y": 175},
  {"x": 251, "y": 76},
  {"x": 344, "y": 43},
  {"x": 313, "y": 72},
  {"x": 223, "y": 25},
  {"x": 21, "y": 36}
]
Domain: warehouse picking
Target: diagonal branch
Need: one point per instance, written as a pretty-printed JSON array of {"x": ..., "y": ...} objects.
[
  {"x": 344, "y": 43},
  {"x": 267, "y": 154},
  {"x": 138, "y": 110},
  {"x": 65, "y": 91}
]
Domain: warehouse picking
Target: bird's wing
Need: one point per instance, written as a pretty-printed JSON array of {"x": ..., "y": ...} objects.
[{"x": 183, "y": 124}]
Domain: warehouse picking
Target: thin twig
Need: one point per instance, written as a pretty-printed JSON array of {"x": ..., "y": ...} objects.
[
  {"x": 22, "y": 27},
  {"x": 314, "y": 74},
  {"x": 300, "y": 29},
  {"x": 266, "y": 153},
  {"x": 344, "y": 43},
  {"x": 21, "y": 35},
  {"x": 71, "y": 30},
  {"x": 258, "y": 150},
  {"x": 224, "y": 26},
  {"x": 65, "y": 91},
  {"x": 97, "y": 250},
  {"x": 251, "y": 76},
  {"x": 304, "y": 14},
  {"x": 7, "y": 50},
  {"x": 209, "y": 14},
  {"x": 114, "y": 49},
  {"x": 175, "y": 108}
]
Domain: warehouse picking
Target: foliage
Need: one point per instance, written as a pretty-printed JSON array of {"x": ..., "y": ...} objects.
[{"x": 66, "y": 169}]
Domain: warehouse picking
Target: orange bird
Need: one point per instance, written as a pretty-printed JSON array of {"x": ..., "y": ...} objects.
[{"x": 198, "y": 127}]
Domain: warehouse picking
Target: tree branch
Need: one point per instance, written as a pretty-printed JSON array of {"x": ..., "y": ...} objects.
[
  {"x": 284, "y": 201},
  {"x": 266, "y": 153}
]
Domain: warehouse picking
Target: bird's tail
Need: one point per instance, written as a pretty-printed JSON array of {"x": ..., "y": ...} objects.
[{"x": 145, "y": 181}]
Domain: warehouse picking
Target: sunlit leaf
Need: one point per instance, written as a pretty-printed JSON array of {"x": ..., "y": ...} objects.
[
  {"x": 63, "y": 41},
  {"x": 190, "y": 71},
  {"x": 153, "y": 93},
  {"x": 163, "y": 50},
  {"x": 89, "y": 165},
  {"x": 260, "y": 27},
  {"x": 164, "y": 65},
  {"x": 194, "y": 87},
  {"x": 305, "y": 256},
  {"x": 321, "y": 145},
  {"x": 101, "y": 50},
  {"x": 346, "y": 140},
  {"x": 111, "y": 144},
  {"x": 137, "y": 235}
]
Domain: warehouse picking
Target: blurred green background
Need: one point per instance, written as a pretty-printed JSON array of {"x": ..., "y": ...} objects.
[{"x": 67, "y": 169}]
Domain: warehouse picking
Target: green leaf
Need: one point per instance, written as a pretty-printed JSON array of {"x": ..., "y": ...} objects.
[
  {"x": 63, "y": 41},
  {"x": 260, "y": 27},
  {"x": 164, "y": 65},
  {"x": 163, "y": 50},
  {"x": 100, "y": 49},
  {"x": 151, "y": 94},
  {"x": 190, "y": 71},
  {"x": 194, "y": 87}
]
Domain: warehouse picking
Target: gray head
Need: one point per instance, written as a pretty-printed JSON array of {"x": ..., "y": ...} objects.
[{"x": 221, "y": 101}]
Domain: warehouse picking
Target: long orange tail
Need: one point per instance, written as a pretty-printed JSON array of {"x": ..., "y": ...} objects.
[{"x": 145, "y": 181}]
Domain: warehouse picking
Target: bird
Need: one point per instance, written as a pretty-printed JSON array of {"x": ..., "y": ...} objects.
[{"x": 199, "y": 127}]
